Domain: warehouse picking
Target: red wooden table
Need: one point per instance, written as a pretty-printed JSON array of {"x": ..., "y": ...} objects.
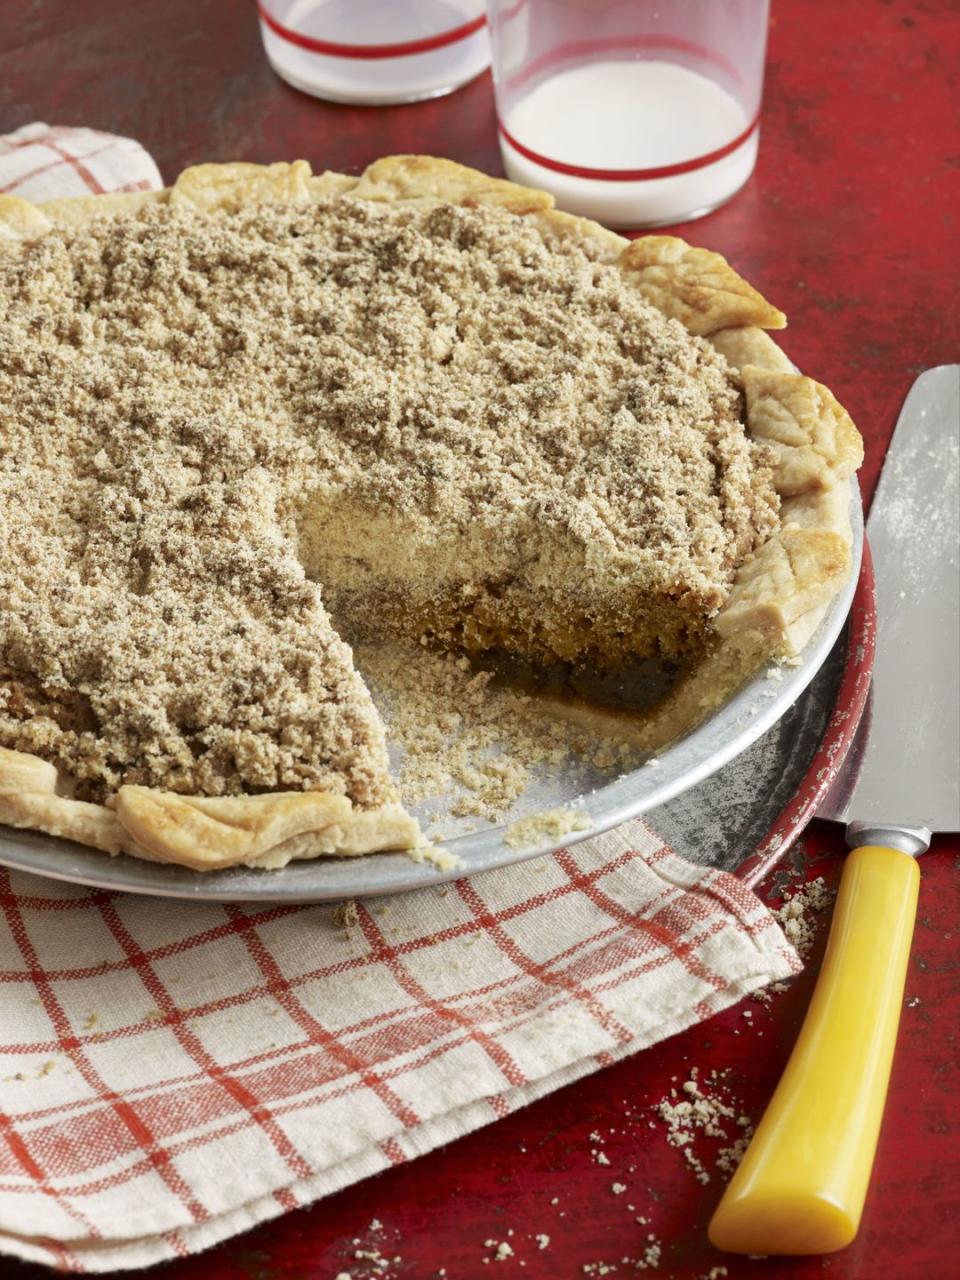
[{"x": 850, "y": 224}]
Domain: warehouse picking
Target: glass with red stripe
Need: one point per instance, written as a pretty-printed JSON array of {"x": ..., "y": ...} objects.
[
  {"x": 375, "y": 51},
  {"x": 636, "y": 113}
]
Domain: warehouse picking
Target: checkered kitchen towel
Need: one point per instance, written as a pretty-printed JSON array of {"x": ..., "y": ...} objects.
[{"x": 173, "y": 1073}]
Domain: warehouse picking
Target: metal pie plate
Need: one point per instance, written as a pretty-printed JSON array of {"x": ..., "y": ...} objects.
[{"x": 709, "y": 821}]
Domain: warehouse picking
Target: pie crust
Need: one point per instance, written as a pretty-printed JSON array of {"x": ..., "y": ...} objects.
[{"x": 779, "y": 592}]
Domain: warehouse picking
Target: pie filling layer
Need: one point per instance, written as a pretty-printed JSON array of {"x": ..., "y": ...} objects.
[{"x": 423, "y": 415}]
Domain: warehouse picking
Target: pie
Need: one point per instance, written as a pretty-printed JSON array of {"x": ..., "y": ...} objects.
[{"x": 421, "y": 402}]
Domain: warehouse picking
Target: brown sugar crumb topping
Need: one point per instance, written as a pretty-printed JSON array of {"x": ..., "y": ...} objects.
[{"x": 174, "y": 386}]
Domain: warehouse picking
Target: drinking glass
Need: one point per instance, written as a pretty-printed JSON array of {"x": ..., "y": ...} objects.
[
  {"x": 632, "y": 112},
  {"x": 375, "y": 51}
]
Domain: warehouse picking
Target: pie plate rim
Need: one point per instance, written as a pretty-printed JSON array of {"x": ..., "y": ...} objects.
[{"x": 749, "y": 713}]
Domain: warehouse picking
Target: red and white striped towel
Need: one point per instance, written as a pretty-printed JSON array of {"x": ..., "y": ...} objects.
[
  {"x": 174, "y": 1073},
  {"x": 43, "y": 162}
]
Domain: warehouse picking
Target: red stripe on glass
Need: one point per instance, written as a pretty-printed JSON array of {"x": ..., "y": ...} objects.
[
  {"x": 507, "y": 15},
  {"x": 631, "y": 175},
  {"x": 333, "y": 50}
]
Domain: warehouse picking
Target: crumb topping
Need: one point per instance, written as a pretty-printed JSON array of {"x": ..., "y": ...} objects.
[{"x": 175, "y": 385}]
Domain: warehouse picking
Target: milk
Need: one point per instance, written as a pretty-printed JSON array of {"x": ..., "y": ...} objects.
[
  {"x": 630, "y": 115},
  {"x": 368, "y": 23}
]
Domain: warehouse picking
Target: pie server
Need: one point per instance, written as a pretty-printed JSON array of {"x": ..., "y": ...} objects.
[{"x": 801, "y": 1186}]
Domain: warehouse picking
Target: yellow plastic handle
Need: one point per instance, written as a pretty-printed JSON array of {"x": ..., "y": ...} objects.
[{"x": 801, "y": 1185}]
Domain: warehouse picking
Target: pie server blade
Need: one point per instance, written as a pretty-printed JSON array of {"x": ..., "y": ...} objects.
[
  {"x": 908, "y": 773},
  {"x": 801, "y": 1186}
]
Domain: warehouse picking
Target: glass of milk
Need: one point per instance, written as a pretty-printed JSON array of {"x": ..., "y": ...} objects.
[
  {"x": 375, "y": 51},
  {"x": 634, "y": 112}
]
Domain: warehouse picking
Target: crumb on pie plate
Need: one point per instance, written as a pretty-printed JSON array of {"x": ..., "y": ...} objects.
[{"x": 422, "y": 398}]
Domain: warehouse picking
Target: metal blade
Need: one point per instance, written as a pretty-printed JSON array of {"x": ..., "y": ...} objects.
[{"x": 905, "y": 771}]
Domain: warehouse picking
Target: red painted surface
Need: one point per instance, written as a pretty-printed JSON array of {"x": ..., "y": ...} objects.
[{"x": 850, "y": 224}]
